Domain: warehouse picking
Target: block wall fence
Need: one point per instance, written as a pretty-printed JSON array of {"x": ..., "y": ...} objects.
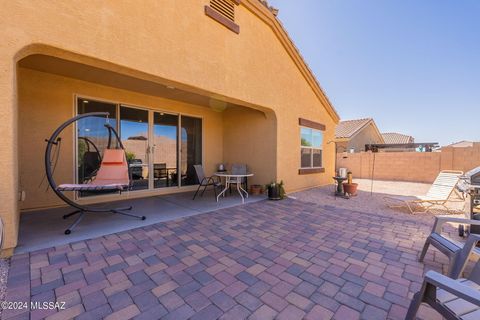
[{"x": 409, "y": 166}]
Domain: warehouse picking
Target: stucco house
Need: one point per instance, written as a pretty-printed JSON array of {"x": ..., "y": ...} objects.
[
  {"x": 460, "y": 144},
  {"x": 353, "y": 135},
  {"x": 222, "y": 72}
]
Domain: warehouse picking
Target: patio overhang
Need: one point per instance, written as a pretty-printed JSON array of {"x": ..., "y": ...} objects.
[
  {"x": 426, "y": 145},
  {"x": 131, "y": 80},
  {"x": 49, "y": 80}
]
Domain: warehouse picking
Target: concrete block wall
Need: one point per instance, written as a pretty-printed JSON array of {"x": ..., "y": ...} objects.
[{"x": 410, "y": 166}]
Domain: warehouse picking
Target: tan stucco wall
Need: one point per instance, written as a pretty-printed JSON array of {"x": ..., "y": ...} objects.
[
  {"x": 171, "y": 41},
  {"x": 250, "y": 138},
  {"x": 46, "y": 100}
]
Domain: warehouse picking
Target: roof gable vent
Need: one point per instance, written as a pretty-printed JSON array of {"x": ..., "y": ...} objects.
[
  {"x": 223, "y": 11},
  {"x": 225, "y": 7}
]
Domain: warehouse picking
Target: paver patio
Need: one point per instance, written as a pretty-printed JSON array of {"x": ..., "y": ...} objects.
[{"x": 286, "y": 260}]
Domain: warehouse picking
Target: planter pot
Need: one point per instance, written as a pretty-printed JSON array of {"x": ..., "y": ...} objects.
[
  {"x": 350, "y": 188},
  {"x": 274, "y": 193},
  {"x": 256, "y": 189}
]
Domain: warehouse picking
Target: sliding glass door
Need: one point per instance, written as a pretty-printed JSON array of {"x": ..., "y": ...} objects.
[
  {"x": 161, "y": 148},
  {"x": 191, "y": 149},
  {"x": 134, "y": 134},
  {"x": 165, "y": 150},
  {"x": 92, "y": 139}
]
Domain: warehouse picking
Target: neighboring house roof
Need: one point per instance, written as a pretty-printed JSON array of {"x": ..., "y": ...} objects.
[
  {"x": 461, "y": 144},
  {"x": 348, "y": 128},
  {"x": 397, "y": 138}
]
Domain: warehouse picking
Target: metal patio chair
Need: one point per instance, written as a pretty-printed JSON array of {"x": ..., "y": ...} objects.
[
  {"x": 239, "y": 168},
  {"x": 205, "y": 181}
]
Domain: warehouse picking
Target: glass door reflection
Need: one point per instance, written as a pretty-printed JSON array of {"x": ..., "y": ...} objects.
[
  {"x": 165, "y": 150},
  {"x": 134, "y": 135},
  {"x": 191, "y": 152},
  {"x": 92, "y": 140}
]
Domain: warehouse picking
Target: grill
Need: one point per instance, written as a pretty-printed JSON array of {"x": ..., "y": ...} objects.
[{"x": 471, "y": 187}]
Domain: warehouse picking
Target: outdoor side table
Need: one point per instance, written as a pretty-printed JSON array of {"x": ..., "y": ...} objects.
[{"x": 339, "y": 180}]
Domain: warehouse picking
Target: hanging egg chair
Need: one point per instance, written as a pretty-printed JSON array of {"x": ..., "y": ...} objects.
[{"x": 97, "y": 174}]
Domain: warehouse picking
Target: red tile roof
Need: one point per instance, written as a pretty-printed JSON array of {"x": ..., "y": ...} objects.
[
  {"x": 461, "y": 144},
  {"x": 397, "y": 138},
  {"x": 348, "y": 128}
]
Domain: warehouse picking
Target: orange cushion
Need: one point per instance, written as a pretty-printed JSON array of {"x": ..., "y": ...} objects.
[{"x": 113, "y": 156}]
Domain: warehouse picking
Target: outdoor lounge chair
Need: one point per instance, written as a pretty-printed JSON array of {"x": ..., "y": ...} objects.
[
  {"x": 438, "y": 195},
  {"x": 205, "y": 181},
  {"x": 452, "y": 298},
  {"x": 112, "y": 175},
  {"x": 457, "y": 252},
  {"x": 238, "y": 168}
]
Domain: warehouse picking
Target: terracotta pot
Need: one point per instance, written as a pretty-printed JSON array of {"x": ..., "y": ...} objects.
[
  {"x": 350, "y": 188},
  {"x": 256, "y": 189}
]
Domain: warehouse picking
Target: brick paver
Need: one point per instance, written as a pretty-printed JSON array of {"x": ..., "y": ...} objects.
[{"x": 268, "y": 260}]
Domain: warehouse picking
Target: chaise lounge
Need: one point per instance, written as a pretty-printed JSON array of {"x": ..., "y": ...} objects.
[{"x": 438, "y": 195}]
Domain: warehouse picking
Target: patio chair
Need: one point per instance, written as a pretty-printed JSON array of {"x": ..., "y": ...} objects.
[
  {"x": 239, "y": 168},
  {"x": 438, "y": 195},
  {"x": 160, "y": 172},
  {"x": 204, "y": 181},
  {"x": 452, "y": 298},
  {"x": 457, "y": 252},
  {"x": 113, "y": 175}
]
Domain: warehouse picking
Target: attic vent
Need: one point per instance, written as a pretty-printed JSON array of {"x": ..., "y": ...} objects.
[
  {"x": 223, "y": 11},
  {"x": 225, "y": 7}
]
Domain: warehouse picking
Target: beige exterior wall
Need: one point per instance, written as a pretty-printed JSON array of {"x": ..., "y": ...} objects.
[
  {"x": 166, "y": 42},
  {"x": 366, "y": 136},
  {"x": 250, "y": 137},
  {"x": 410, "y": 166}
]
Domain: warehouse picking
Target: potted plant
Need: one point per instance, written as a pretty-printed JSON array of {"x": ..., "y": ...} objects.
[
  {"x": 256, "y": 189},
  {"x": 275, "y": 191},
  {"x": 349, "y": 187}
]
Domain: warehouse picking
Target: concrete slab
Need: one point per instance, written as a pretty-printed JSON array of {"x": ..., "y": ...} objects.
[{"x": 45, "y": 228}]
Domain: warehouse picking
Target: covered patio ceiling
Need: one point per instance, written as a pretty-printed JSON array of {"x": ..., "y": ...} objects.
[{"x": 141, "y": 83}]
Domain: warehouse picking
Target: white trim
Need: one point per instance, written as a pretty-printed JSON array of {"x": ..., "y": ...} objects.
[
  {"x": 311, "y": 148},
  {"x": 179, "y": 150},
  {"x": 151, "y": 154}
]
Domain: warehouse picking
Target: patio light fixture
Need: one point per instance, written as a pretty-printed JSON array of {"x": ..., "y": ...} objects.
[{"x": 217, "y": 105}]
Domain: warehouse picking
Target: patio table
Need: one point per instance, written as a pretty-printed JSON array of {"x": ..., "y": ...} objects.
[{"x": 236, "y": 179}]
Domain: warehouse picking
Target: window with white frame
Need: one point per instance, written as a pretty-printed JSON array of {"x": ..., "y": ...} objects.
[{"x": 311, "y": 148}]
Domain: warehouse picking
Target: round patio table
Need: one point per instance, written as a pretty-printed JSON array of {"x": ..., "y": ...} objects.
[{"x": 233, "y": 179}]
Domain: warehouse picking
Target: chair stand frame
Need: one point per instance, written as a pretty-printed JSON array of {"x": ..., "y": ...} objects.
[
  {"x": 82, "y": 213},
  {"x": 80, "y": 209}
]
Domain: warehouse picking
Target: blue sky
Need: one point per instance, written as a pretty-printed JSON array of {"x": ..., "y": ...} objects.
[{"x": 414, "y": 66}]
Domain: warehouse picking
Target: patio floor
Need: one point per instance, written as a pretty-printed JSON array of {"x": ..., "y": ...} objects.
[
  {"x": 290, "y": 259},
  {"x": 45, "y": 228}
]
